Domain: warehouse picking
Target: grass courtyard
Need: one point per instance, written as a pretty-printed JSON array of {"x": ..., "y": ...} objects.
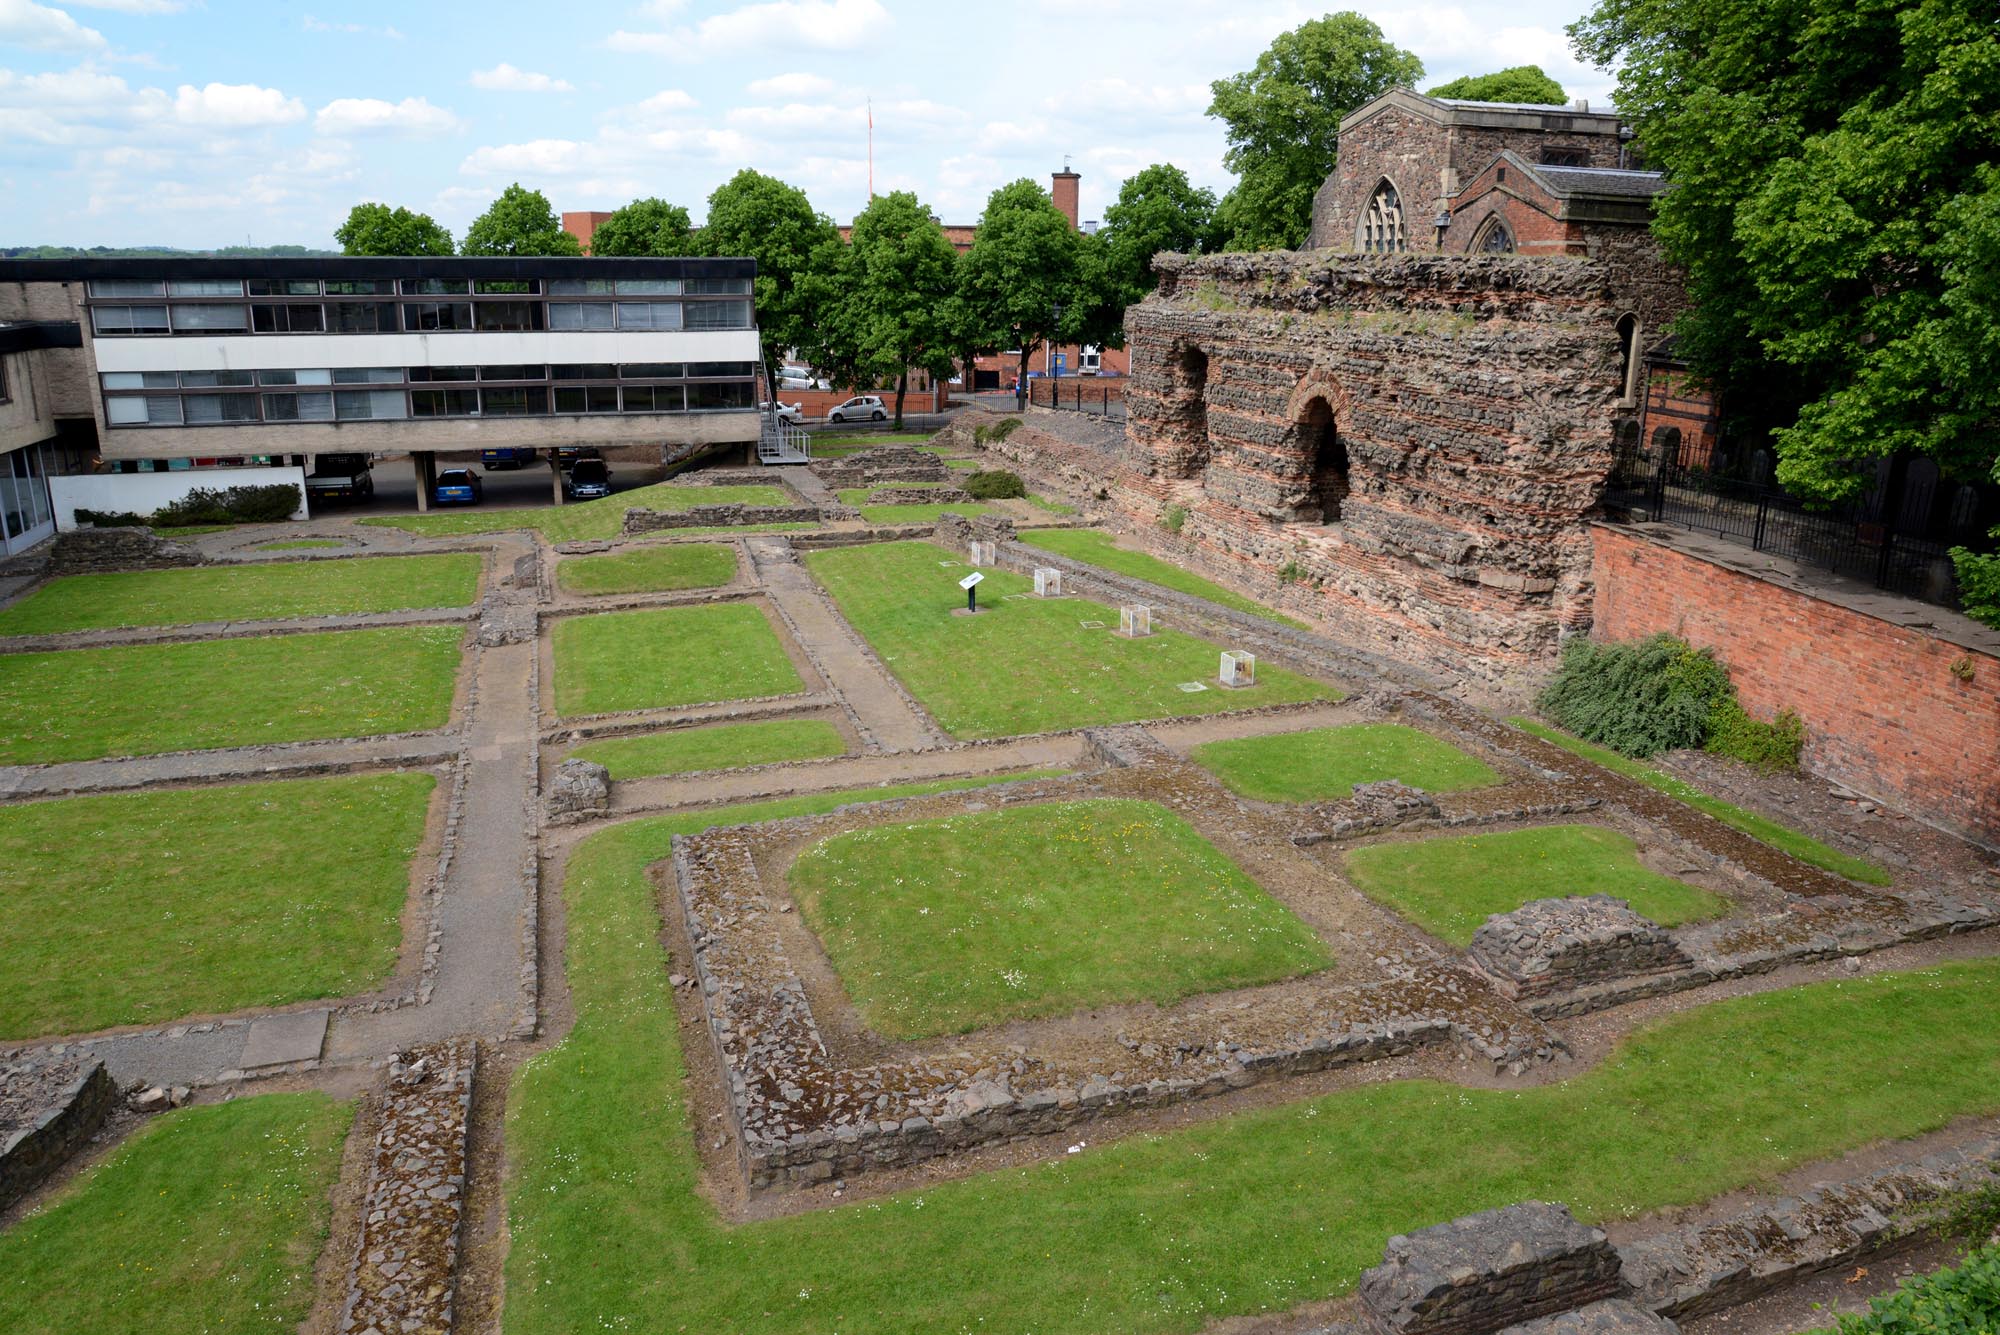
[
  {"x": 1026, "y": 665},
  {"x": 1450, "y": 886},
  {"x": 1099, "y": 548},
  {"x": 912, "y": 513},
  {"x": 142, "y": 699},
  {"x": 663, "y": 568},
  {"x": 140, "y": 908},
  {"x": 581, "y": 520},
  {"x": 1165, "y": 1233},
  {"x": 245, "y": 593},
  {"x": 723, "y": 746},
  {"x": 207, "y": 1219},
  {"x": 1042, "y": 910},
  {"x": 661, "y": 657},
  {"x": 1324, "y": 763}
]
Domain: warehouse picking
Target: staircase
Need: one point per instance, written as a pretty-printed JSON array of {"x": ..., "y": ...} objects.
[{"x": 778, "y": 441}]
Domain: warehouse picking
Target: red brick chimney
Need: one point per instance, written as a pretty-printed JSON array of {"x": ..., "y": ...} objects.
[
  {"x": 1063, "y": 187},
  {"x": 583, "y": 226}
]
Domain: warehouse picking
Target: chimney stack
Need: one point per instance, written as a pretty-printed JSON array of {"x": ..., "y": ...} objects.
[{"x": 1063, "y": 189}]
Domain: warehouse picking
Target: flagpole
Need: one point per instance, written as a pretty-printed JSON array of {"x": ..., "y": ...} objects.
[{"x": 871, "y": 148}]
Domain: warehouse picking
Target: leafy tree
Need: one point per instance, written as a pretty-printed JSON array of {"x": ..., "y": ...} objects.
[
  {"x": 645, "y": 227},
  {"x": 1521, "y": 83},
  {"x": 1157, "y": 209},
  {"x": 1283, "y": 117},
  {"x": 377, "y": 229},
  {"x": 894, "y": 282},
  {"x": 761, "y": 218},
  {"x": 1837, "y": 208},
  {"x": 519, "y": 223},
  {"x": 1024, "y": 265}
]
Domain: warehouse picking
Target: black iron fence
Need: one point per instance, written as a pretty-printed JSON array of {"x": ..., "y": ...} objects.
[
  {"x": 1896, "y": 536},
  {"x": 1080, "y": 396}
]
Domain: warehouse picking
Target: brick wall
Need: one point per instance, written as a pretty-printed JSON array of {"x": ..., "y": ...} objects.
[{"x": 1884, "y": 710}]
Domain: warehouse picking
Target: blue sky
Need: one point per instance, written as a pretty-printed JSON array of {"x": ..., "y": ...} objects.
[{"x": 178, "y": 122}]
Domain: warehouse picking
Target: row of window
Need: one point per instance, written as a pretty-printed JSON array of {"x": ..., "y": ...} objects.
[
  {"x": 380, "y": 317},
  {"x": 126, "y": 288},
  {"x": 350, "y": 405},
  {"x": 425, "y": 375}
]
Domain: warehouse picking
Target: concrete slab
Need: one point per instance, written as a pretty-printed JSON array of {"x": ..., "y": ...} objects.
[{"x": 278, "y": 1039}]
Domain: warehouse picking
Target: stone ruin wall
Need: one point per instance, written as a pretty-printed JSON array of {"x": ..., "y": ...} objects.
[{"x": 1474, "y": 396}]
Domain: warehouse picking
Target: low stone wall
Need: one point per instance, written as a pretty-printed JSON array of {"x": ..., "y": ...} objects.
[
  {"x": 1612, "y": 1316},
  {"x": 885, "y": 463},
  {"x": 47, "y": 1111},
  {"x": 1560, "y": 945},
  {"x": 85, "y": 550},
  {"x": 919, "y": 496},
  {"x": 639, "y": 520},
  {"x": 404, "y": 1275},
  {"x": 1488, "y": 1271}
]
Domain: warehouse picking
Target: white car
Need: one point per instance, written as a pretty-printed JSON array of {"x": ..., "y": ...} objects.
[
  {"x": 860, "y": 408},
  {"x": 785, "y": 412}
]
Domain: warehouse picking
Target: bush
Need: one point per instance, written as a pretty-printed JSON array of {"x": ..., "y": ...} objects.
[
  {"x": 237, "y": 505},
  {"x": 998, "y": 485},
  {"x": 1174, "y": 518},
  {"x": 1004, "y": 428},
  {"x": 111, "y": 518},
  {"x": 1638, "y": 698},
  {"x": 1978, "y": 584},
  {"x": 1965, "y": 1299},
  {"x": 1768, "y": 746}
]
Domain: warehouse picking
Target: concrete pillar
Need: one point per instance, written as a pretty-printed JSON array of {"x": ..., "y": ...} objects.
[
  {"x": 425, "y": 465},
  {"x": 555, "y": 477}
]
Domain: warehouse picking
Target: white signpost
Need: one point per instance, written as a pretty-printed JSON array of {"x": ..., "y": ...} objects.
[{"x": 971, "y": 585}]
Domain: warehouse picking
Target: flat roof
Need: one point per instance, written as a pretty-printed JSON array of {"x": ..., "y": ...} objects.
[{"x": 479, "y": 267}]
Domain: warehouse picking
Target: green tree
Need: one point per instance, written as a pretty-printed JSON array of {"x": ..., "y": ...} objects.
[
  {"x": 1520, "y": 83},
  {"x": 645, "y": 227},
  {"x": 1158, "y": 209},
  {"x": 759, "y": 217},
  {"x": 1283, "y": 118},
  {"x": 377, "y": 229},
  {"x": 894, "y": 282},
  {"x": 1020, "y": 283},
  {"x": 521, "y": 222},
  {"x": 1837, "y": 209}
]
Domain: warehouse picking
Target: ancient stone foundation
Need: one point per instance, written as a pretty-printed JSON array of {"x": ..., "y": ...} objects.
[
  {"x": 884, "y": 463},
  {"x": 85, "y": 550},
  {"x": 1561, "y": 945},
  {"x": 47, "y": 1111},
  {"x": 1488, "y": 1271},
  {"x": 639, "y": 520},
  {"x": 579, "y": 790}
]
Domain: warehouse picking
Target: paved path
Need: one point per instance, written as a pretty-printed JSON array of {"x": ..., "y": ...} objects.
[
  {"x": 232, "y": 630},
  {"x": 292, "y": 759}
]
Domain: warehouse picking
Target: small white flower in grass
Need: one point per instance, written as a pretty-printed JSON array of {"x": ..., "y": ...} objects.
[{"x": 1013, "y": 977}]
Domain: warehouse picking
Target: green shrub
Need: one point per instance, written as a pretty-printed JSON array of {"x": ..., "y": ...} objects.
[
  {"x": 111, "y": 518},
  {"x": 1638, "y": 698},
  {"x": 1978, "y": 584},
  {"x": 237, "y": 505},
  {"x": 1768, "y": 746},
  {"x": 1174, "y": 518},
  {"x": 1960, "y": 1301},
  {"x": 998, "y": 485},
  {"x": 1003, "y": 428},
  {"x": 1291, "y": 572}
]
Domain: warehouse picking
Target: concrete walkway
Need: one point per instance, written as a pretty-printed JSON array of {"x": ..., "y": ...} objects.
[{"x": 236, "y": 763}]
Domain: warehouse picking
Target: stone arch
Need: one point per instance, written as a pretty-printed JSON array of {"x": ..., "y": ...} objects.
[
  {"x": 1494, "y": 237},
  {"x": 1667, "y": 445},
  {"x": 1187, "y": 409},
  {"x": 1382, "y": 229},
  {"x": 1325, "y": 453}
]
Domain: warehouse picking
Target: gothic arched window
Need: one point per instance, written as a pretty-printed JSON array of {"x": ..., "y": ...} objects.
[
  {"x": 1382, "y": 224},
  {"x": 1494, "y": 238}
]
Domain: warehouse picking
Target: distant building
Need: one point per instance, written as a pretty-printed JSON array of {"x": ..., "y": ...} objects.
[{"x": 583, "y": 226}]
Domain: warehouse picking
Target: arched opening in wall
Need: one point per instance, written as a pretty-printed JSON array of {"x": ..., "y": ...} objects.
[
  {"x": 1319, "y": 438},
  {"x": 1628, "y": 359},
  {"x": 1667, "y": 445},
  {"x": 1494, "y": 237},
  {"x": 1624, "y": 452},
  {"x": 1190, "y": 410},
  {"x": 1382, "y": 231}
]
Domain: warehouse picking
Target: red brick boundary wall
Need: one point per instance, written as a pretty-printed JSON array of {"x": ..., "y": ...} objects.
[
  {"x": 1888, "y": 711},
  {"x": 1096, "y": 390}
]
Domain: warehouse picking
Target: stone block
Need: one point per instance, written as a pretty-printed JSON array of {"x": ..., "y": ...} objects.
[
  {"x": 1485, "y": 1272},
  {"x": 580, "y": 788},
  {"x": 1612, "y": 1316},
  {"x": 1560, "y": 945}
]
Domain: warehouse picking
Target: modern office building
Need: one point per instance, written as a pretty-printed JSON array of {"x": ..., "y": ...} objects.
[{"x": 185, "y": 360}]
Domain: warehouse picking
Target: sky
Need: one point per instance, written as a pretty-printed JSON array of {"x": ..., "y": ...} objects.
[{"x": 200, "y": 124}]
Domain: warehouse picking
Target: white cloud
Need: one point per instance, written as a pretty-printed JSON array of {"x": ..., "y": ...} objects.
[
  {"x": 792, "y": 86},
  {"x": 666, "y": 102},
  {"x": 504, "y": 78},
  {"x": 134, "y": 6},
  {"x": 235, "y": 104},
  {"x": 812, "y": 25},
  {"x": 370, "y": 115},
  {"x": 25, "y": 23},
  {"x": 312, "y": 24}
]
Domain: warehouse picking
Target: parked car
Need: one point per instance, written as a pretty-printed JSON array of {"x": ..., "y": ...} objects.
[
  {"x": 457, "y": 486},
  {"x": 587, "y": 480},
  {"x": 568, "y": 455},
  {"x": 512, "y": 456},
  {"x": 340, "y": 477},
  {"x": 860, "y": 408},
  {"x": 785, "y": 412}
]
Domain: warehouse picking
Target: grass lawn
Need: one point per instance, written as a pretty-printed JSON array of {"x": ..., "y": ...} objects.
[
  {"x": 601, "y": 518},
  {"x": 141, "y": 908},
  {"x": 1761, "y": 828},
  {"x": 141, "y": 699},
  {"x": 909, "y": 514},
  {"x": 724, "y": 746},
  {"x": 1449, "y": 886},
  {"x": 835, "y": 447},
  {"x": 1257, "y": 1212},
  {"x": 1327, "y": 762},
  {"x": 963, "y": 923},
  {"x": 666, "y": 656},
  {"x": 245, "y": 593},
  {"x": 298, "y": 545},
  {"x": 1043, "y": 503},
  {"x": 1098, "y": 549},
  {"x": 208, "y": 1219},
  {"x": 657, "y": 569},
  {"x": 1024, "y": 666}
]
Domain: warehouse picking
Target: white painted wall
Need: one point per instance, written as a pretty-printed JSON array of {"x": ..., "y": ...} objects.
[
  {"x": 291, "y": 352},
  {"x": 143, "y": 493}
]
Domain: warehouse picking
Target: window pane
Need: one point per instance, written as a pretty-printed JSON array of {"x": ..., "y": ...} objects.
[
  {"x": 362, "y": 317},
  {"x": 518, "y": 402},
  {"x": 210, "y": 317},
  {"x": 127, "y": 287},
  {"x": 375, "y": 404},
  {"x": 639, "y": 399},
  {"x": 129, "y": 319},
  {"x": 649, "y": 315},
  {"x": 211, "y": 379},
  {"x": 649, "y": 287},
  {"x": 588, "y": 399},
  {"x": 365, "y": 287},
  {"x": 122, "y": 380},
  {"x": 718, "y": 315},
  {"x": 586, "y": 371},
  {"x": 121, "y": 411},
  {"x": 206, "y": 287},
  {"x": 719, "y": 396},
  {"x": 579, "y": 287},
  {"x": 436, "y": 315},
  {"x": 718, "y": 287},
  {"x": 717, "y": 370},
  {"x": 369, "y": 375},
  {"x": 427, "y": 375},
  {"x": 293, "y": 319},
  {"x": 652, "y": 370},
  {"x": 513, "y": 372},
  {"x": 298, "y": 407},
  {"x": 568, "y": 315},
  {"x": 509, "y": 314},
  {"x": 220, "y": 408},
  {"x": 527, "y": 287},
  {"x": 426, "y": 287},
  {"x": 444, "y": 402},
  {"x": 287, "y": 287}
]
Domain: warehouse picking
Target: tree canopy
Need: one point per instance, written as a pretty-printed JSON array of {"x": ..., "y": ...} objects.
[
  {"x": 1520, "y": 83},
  {"x": 1836, "y": 205},
  {"x": 1025, "y": 262},
  {"x": 645, "y": 227},
  {"x": 1283, "y": 119},
  {"x": 520, "y": 222},
  {"x": 377, "y": 229},
  {"x": 1157, "y": 209},
  {"x": 764, "y": 219},
  {"x": 895, "y": 280}
]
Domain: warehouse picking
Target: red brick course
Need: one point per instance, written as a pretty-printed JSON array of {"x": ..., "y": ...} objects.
[{"x": 1887, "y": 710}]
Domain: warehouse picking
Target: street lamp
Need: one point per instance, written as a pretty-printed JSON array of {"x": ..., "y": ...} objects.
[{"x": 1055, "y": 336}]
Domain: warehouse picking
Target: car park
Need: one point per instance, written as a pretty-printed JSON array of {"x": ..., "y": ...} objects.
[
  {"x": 860, "y": 408},
  {"x": 457, "y": 486}
]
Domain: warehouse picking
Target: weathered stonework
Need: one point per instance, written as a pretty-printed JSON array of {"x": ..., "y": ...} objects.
[
  {"x": 1610, "y": 1316},
  {"x": 1488, "y": 1271},
  {"x": 580, "y": 789},
  {"x": 884, "y": 463},
  {"x": 47, "y": 1111},
  {"x": 1560, "y": 945},
  {"x": 84, "y": 550},
  {"x": 638, "y": 520},
  {"x": 919, "y": 496}
]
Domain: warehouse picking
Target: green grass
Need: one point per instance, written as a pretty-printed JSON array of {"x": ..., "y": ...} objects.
[
  {"x": 1256, "y": 1212},
  {"x": 298, "y": 545},
  {"x": 655, "y": 569},
  {"x": 141, "y": 908},
  {"x": 1786, "y": 840},
  {"x": 1097, "y": 548},
  {"x": 134, "y": 700},
  {"x": 194, "y": 530},
  {"x": 666, "y": 656},
  {"x": 835, "y": 447},
  {"x": 1024, "y": 666},
  {"x": 962, "y": 923},
  {"x": 1048, "y": 506},
  {"x": 909, "y": 514},
  {"x": 583, "y": 520},
  {"x": 208, "y": 1219},
  {"x": 1449, "y": 886},
  {"x": 725, "y": 746},
  {"x": 245, "y": 593},
  {"x": 1327, "y": 762}
]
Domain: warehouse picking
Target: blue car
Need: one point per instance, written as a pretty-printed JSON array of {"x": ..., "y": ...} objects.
[{"x": 456, "y": 486}]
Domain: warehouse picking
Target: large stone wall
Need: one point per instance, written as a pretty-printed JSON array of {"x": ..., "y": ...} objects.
[{"x": 47, "y": 1112}]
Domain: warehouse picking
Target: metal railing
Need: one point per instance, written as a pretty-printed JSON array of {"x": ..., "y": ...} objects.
[{"x": 1080, "y": 397}]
